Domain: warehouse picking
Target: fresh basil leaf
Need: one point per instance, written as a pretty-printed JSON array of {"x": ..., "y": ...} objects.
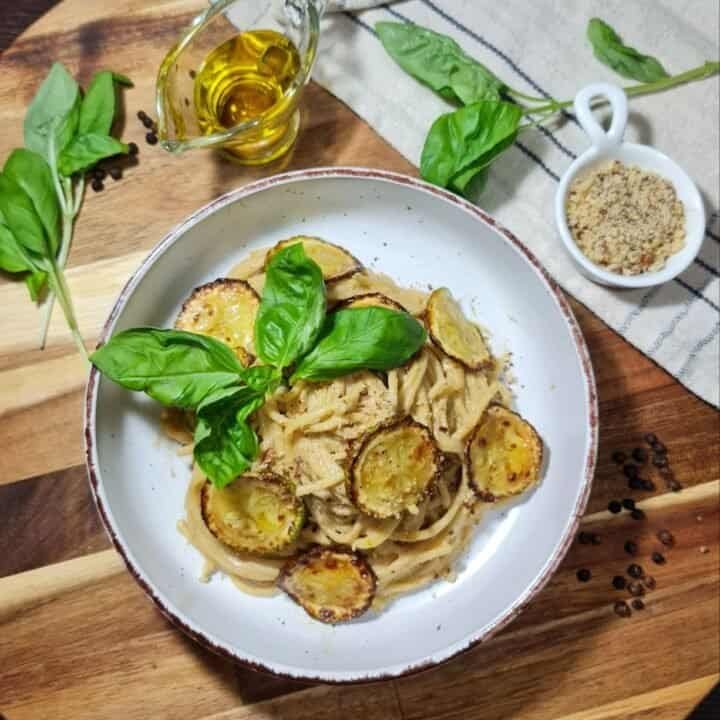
[
  {"x": 97, "y": 109},
  {"x": 67, "y": 129},
  {"x": 370, "y": 338},
  {"x": 245, "y": 400},
  {"x": 292, "y": 307},
  {"x": 31, "y": 172},
  {"x": 12, "y": 256},
  {"x": 35, "y": 282},
  {"x": 224, "y": 444},
  {"x": 54, "y": 109},
  {"x": 20, "y": 217},
  {"x": 469, "y": 138},
  {"x": 610, "y": 50},
  {"x": 174, "y": 367},
  {"x": 85, "y": 150},
  {"x": 438, "y": 62},
  {"x": 471, "y": 182}
]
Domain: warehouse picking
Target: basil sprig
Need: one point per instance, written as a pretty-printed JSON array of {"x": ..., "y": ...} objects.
[
  {"x": 200, "y": 373},
  {"x": 369, "y": 338},
  {"x": 610, "y": 50},
  {"x": 42, "y": 186},
  {"x": 462, "y": 144},
  {"x": 225, "y": 444},
  {"x": 439, "y": 62},
  {"x": 292, "y": 308},
  {"x": 174, "y": 367}
]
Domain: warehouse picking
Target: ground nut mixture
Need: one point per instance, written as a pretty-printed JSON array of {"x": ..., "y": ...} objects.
[{"x": 625, "y": 219}]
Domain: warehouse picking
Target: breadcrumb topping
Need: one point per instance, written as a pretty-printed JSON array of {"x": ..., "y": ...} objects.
[{"x": 625, "y": 219}]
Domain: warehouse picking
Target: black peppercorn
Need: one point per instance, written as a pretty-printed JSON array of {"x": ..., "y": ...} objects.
[
  {"x": 637, "y": 514},
  {"x": 631, "y": 547},
  {"x": 142, "y": 115},
  {"x": 674, "y": 485},
  {"x": 651, "y": 438},
  {"x": 666, "y": 538},
  {"x": 133, "y": 149},
  {"x": 658, "y": 448},
  {"x": 630, "y": 470},
  {"x": 658, "y": 558},
  {"x": 635, "y": 483},
  {"x": 649, "y": 581},
  {"x": 619, "y": 582},
  {"x": 640, "y": 455},
  {"x": 115, "y": 173},
  {"x": 583, "y": 575},
  {"x": 635, "y": 571},
  {"x": 614, "y": 506},
  {"x": 585, "y": 538},
  {"x": 628, "y": 503},
  {"x": 622, "y": 609},
  {"x": 97, "y": 185},
  {"x": 595, "y": 539},
  {"x": 660, "y": 461},
  {"x": 99, "y": 173},
  {"x": 636, "y": 589},
  {"x": 151, "y": 138},
  {"x": 619, "y": 457},
  {"x": 647, "y": 485},
  {"x": 148, "y": 122},
  {"x": 638, "y": 604}
]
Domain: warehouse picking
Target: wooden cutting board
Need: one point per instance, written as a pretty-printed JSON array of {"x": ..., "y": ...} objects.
[{"x": 78, "y": 639}]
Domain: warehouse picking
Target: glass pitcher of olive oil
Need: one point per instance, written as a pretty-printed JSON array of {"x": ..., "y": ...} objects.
[{"x": 234, "y": 79}]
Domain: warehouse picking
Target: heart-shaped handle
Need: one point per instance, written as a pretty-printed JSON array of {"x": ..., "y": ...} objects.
[{"x": 618, "y": 102}]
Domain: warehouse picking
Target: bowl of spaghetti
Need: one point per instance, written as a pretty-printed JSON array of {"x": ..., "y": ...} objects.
[{"x": 391, "y": 453}]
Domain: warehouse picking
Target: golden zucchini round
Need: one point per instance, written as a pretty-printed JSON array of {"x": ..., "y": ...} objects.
[
  {"x": 503, "y": 454},
  {"x": 375, "y": 299},
  {"x": 331, "y": 585},
  {"x": 224, "y": 309},
  {"x": 394, "y": 468},
  {"x": 453, "y": 333},
  {"x": 335, "y": 262},
  {"x": 257, "y": 514}
]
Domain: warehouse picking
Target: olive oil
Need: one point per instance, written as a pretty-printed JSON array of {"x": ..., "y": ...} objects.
[{"x": 244, "y": 79}]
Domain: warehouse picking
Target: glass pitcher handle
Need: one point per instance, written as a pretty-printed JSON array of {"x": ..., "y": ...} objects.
[{"x": 295, "y": 10}]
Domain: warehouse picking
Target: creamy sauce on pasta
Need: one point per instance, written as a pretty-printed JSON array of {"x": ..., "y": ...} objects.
[{"x": 309, "y": 433}]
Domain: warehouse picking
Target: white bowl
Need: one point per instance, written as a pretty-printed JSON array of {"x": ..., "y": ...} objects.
[
  {"x": 608, "y": 146},
  {"x": 420, "y": 235}
]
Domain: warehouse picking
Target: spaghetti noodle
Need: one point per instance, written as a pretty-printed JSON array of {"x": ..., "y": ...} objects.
[{"x": 311, "y": 431}]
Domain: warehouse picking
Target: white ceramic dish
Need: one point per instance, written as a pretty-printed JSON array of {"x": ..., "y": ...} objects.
[
  {"x": 608, "y": 146},
  {"x": 419, "y": 235}
]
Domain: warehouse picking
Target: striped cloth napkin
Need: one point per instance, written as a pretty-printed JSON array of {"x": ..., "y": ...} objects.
[{"x": 540, "y": 48}]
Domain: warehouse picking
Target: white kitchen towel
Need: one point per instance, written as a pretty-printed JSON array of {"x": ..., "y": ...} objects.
[{"x": 540, "y": 48}]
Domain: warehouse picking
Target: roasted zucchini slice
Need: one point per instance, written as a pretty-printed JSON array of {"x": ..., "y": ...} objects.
[
  {"x": 224, "y": 309},
  {"x": 335, "y": 262},
  {"x": 503, "y": 454},
  {"x": 258, "y": 514},
  {"x": 453, "y": 333},
  {"x": 331, "y": 585},
  {"x": 394, "y": 468},
  {"x": 371, "y": 300}
]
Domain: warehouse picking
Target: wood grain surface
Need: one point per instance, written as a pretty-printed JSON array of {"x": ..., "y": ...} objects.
[{"x": 78, "y": 638}]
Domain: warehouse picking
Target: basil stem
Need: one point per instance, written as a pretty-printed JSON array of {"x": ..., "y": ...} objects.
[
  {"x": 58, "y": 285},
  {"x": 706, "y": 70}
]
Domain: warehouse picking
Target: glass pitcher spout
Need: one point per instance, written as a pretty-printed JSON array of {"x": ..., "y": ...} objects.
[{"x": 234, "y": 79}]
